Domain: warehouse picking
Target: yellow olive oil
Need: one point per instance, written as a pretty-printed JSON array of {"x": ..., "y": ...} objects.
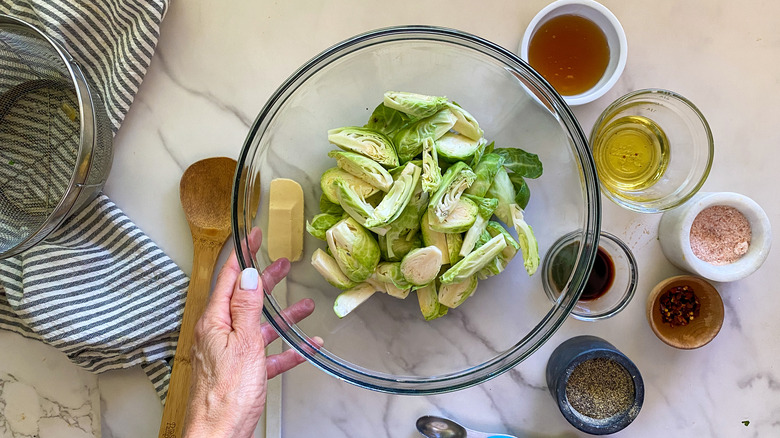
[{"x": 631, "y": 154}]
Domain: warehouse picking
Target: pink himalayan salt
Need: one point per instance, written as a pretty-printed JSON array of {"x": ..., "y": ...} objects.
[{"x": 720, "y": 235}]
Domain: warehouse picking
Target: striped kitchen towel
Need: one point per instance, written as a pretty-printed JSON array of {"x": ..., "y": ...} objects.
[{"x": 98, "y": 288}]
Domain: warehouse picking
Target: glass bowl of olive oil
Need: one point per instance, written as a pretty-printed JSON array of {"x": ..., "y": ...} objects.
[{"x": 653, "y": 150}]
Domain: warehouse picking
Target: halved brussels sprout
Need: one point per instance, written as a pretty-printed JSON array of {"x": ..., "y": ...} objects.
[
  {"x": 525, "y": 237},
  {"x": 330, "y": 271},
  {"x": 485, "y": 209},
  {"x": 454, "y": 147},
  {"x": 330, "y": 191},
  {"x": 320, "y": 224},
  {"x": 466, "y": 124},
  {"x": 367, "y": 142},
  {"x": 502, "y": 190},
  {"x": 454, "y": 294},
  {"x": 415, "y": 105},
  {"x": 409, "y": 140},
  {"x": 485, "y": 170},
  {"x": 430, "y": 307},
  {"x": 454, "y": 243},
  {"x": 387, "y": 120},
  {"x": 474, "y": 261},
  {"x": 348, "y": 300},
  {"x": 397, "y": 198},
  {"x": 354, "y": 249},
  {"x": 454, "y": 182},
  {"x": 460, "y": 219},
  {"x": 431, "y": 237},
  {"x": 431, "y": 172},
  {"x": 353, "y": 204},
  {"x": 364, "y": 168},
  {"x": 421, "y": 266}
]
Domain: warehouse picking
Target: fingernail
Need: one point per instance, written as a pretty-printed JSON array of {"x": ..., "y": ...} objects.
[{"x": 249, "y": 279}]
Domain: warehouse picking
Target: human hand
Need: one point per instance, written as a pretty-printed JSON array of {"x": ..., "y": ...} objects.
[{"x": 229, "y": 366}]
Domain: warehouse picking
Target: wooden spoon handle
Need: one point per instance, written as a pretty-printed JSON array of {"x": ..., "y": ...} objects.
[{"x": 206, "y": 254}]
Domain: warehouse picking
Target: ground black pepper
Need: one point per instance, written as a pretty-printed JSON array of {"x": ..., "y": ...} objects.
[
  {"x": 600, "y": 388},
  {"x": 679, "y": 306}
]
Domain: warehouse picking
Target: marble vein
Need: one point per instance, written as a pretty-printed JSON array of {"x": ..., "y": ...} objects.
[{"x": 161, "y": 59}]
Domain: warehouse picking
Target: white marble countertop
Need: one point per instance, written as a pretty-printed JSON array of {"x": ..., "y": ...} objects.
[{"x": 217, "y": 62}]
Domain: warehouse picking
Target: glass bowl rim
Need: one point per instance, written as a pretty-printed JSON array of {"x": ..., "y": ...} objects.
[
  {"x": 660, "y": 205},
  {"x": 531, "y": 341}
]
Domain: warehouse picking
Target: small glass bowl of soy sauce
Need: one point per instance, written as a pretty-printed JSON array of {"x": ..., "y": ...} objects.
[{"x": 612, "y": 281}]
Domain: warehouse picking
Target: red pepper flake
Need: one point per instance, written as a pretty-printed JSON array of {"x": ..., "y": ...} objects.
[{"x": 679, "y": 306}]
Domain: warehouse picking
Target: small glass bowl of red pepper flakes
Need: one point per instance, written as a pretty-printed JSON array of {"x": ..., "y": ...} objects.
[{"x": 685, "y": 311}]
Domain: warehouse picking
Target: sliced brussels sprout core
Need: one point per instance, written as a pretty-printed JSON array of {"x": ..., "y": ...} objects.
[
  {"x": 397, "y": 198},
  {"x": 474, "y": 261},
  {"x": 330, "y": 190},
  {"x": 330, "y": 270},
  {"x": 320, "y": 224},
  {"x": 460, "y": 219},
  {"x": 421, "y": 266},
  {"x": 415, "y": 105},
  {"x": 354, "y": 248},
  {"x": 485, "y": 171},
  {"x": 409, "y": 140},
  {"x": 387, "y": 120},
  {"x": 465, "y": 124},
  {"x": 348, "y": 300},
  {"x": 453, "y": 183},
  {"x": 454, "y": 294},
  {"x": 431, "y": 237},
  {"x": 430, "y": 307},
  {"x": 431, "y": 172},
  {"x": 367, "y": 142},
  {"x": 454, "y": 147},
  {"x": 364, "y": 168},
  {"x": 525, "y": 237}
]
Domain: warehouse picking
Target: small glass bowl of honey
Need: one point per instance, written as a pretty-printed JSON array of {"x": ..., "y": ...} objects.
[
  {"x": 578, "y": 46},
  {"x": 611, "y": 283},
  {"x": 653, "y": 150}
]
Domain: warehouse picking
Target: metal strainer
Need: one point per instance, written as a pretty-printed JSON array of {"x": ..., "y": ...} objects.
[{"x": 55, "y": 138}]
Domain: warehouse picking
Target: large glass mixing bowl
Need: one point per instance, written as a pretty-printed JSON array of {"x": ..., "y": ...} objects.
[{"x": 385, "y": 344}]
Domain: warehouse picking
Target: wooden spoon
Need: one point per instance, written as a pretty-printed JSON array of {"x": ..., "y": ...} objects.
[{"x": 205, "y": 191}]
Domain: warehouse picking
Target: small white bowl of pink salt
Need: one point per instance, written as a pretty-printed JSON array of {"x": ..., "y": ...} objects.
[{"x": 721, "y": 236}]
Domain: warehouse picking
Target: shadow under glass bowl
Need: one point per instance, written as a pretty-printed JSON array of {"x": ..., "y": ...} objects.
[{"x": 385, "y": 344}]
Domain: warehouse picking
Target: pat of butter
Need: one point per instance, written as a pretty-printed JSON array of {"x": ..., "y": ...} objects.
[{"x": 285, "y": 220}]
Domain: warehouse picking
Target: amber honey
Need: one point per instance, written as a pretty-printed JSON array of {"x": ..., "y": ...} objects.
[{"x": 571, "y": 52}]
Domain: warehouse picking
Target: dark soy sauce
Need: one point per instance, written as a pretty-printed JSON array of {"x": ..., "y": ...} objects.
[{"x": 601, "y": 277}]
